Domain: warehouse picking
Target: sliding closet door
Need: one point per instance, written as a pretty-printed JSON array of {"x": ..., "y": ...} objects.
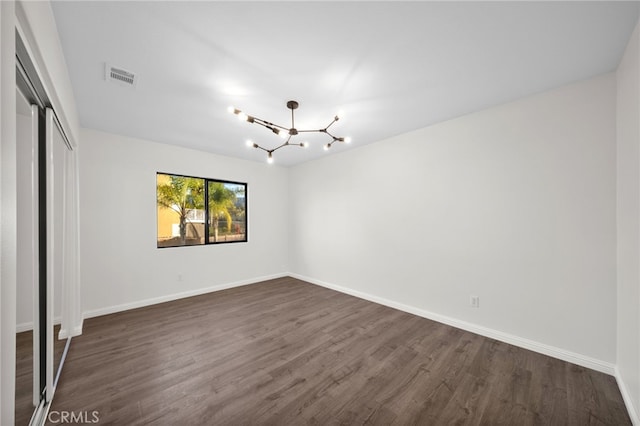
[
  {"x": 57, "y": 151},
  {"x": 34, "y": 257},
  {"x": 54, "y": 226},
  {"x": 28, "y": 379}
]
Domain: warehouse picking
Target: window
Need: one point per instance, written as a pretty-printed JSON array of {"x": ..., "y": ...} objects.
[{"x": 196, "y": 211}]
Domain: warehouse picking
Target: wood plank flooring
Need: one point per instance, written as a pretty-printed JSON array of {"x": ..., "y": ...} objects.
[
  {"x": 24, "y": 373},
  {"x": 24, "y": 378},
  {"x": 285, "y": 352}
]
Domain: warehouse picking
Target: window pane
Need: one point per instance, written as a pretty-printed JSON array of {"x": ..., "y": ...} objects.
[
  {"x": 227, "y": 211},
  {"x": 181, "y": 214}
]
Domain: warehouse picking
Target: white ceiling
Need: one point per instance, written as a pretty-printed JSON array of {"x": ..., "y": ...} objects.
[{"x": 391, "y": 67}]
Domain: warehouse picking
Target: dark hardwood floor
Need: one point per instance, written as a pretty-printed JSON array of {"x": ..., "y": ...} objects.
[
  {"x": 285, "y": 352},
  {"x": 24, "y": 378},
  {"x": 24, "y": 373}
]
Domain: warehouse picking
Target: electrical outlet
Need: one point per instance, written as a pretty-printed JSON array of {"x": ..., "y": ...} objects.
[{"x": 474, "y": 301}]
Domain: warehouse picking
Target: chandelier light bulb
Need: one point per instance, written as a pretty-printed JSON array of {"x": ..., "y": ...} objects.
[
  {"x": 242, "y": 116},
  {"x": 326, "y": 147},
  {"x": 232, "y": 110},
  {"x": 347, "y": 140},
  {"x": 249, "y": 143},
  {"x": 270, "y": 158}
]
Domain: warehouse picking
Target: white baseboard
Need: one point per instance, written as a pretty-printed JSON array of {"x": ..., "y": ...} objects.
[
  {"x": 28, "y": 326},
  {"x": 25, "y": 326},
  {"x": 572, "y": 357},
  {"x": 64, "y": 333},
  {"x": 633, "y": 413},
  {"x": 168, "y": 298},
  {"x": 77, "y": 330}
]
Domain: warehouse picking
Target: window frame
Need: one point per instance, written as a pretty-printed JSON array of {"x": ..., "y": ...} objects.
[{"x": 207, "y": 240}]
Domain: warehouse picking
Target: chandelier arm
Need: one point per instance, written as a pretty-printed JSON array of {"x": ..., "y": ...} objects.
[
  {"x": 278, "y": 147},
  {"x": 285, "y": 143},
  {"x": 259, "y": 147},
  {"x": 312, "y": 131},
  {"x": 319, "y": 130},
  {"x": 256, "y": 121},
  {"x": 278, "y": 126},
  {"x": 336, "y": 118},
  {"x": 335, "y": 138},
  {"x": 267, "y": 124}
]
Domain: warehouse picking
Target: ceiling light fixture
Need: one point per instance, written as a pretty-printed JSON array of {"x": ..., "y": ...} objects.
[{"x": 285, "y": 132}]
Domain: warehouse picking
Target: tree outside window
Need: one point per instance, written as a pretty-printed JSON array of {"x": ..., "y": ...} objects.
[{"x": 185, "y": 204}]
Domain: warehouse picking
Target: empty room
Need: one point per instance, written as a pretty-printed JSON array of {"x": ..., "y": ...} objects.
[{"x": 332, "y": 212}]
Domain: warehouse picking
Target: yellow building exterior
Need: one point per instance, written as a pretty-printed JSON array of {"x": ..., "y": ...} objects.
[{"x": 167, "y": 218}]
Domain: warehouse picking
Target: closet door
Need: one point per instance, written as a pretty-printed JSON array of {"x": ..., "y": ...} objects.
[
  {"x": 34, "y": 258},
  {"x": 28, "y": 264},
  {"x": 57, "y": 151}
]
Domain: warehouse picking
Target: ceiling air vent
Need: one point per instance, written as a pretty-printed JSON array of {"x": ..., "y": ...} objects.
[{"x": 120, "y": 76}]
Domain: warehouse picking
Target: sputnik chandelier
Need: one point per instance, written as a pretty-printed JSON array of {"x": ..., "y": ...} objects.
[{"x": 287, "y": 133}]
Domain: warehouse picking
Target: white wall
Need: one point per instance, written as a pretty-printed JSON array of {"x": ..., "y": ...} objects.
[
  {"x": 7, "y": 212},
  {"x": 121, "y": 266},
  {"x": 628, "y": 215},
  {"x": 514, "y": 204}
]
